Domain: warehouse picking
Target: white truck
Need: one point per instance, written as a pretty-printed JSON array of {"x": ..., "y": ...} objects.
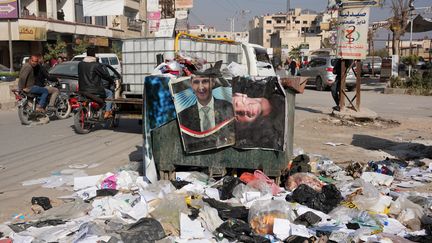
[{"x": 140, "y": 57}]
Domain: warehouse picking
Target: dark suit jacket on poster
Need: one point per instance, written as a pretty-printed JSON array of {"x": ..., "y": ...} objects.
[{"x": 189, "y": 118}]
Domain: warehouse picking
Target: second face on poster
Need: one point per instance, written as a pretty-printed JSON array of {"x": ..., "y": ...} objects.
[{"x": 205, "y": 113}]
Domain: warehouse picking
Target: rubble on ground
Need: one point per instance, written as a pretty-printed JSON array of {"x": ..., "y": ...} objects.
[{"x": 320, "y": 202}]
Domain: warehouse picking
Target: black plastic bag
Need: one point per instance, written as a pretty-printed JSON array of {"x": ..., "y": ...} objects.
[
  {"x": 229, "y": 183},
  {"x": 307, "y": 219},
  {"x": 145, "y": 230},
  {"x": 44, "y": 202},
  {"x": 325, "y": 201},
  {"x": 226, "y": 211},
  {"x": 233, "y": 229},
  {"x": 179, "y": 184}
]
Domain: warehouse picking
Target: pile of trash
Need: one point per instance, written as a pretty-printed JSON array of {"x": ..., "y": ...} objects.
[{"x": 319, "y": 202}]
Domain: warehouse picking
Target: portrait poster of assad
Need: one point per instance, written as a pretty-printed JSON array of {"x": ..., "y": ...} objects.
[
  {"x": 259, "y": 111},
  {"x": 204, "y": 111}
]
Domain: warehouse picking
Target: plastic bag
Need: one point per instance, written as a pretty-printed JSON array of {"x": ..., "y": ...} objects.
[
  {"x": 407, "y": 212},
  {"x": 262, "y": 214},
  {"x": 260, "y": 181},
  {"x": 371, "y": 199},
  {"x": 229, "y": 184},
  {"x": 304, "y": 178},
  {"x": 169, "y": 209}
]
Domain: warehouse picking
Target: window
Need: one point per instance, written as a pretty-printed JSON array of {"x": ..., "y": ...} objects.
[
  {"x": 113, "y": 61},
  {"x": 101, "y": 20},
  {"x": 104, "y": 60},
  {"x": 305, "y": 22},
  {"x": 289, "y": 22},
  {"x": 268, "y": 31},
  {"x": 297, "y": 22},
  {"x": 278, "y": 21},
  {"x": 79, "y": 13},
  {"x": 268, "y": 22}
]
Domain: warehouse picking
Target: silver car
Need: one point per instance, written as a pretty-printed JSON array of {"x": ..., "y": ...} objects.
[
  {"x": 367, "y": 65},
  {"x": 320, "y": 73}
]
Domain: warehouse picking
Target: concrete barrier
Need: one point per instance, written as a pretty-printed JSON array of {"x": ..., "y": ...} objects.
[{"x": 7, "y": 98}]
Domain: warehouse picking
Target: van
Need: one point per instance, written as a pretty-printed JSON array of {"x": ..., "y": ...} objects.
[
  {"x": 257, "y": 61},
  {"x": 104, "y": 58}
]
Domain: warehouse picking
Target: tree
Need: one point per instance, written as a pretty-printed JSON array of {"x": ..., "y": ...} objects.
[
  {"x": 399, "y": 21},
  {"x": 117, "y": 49},
  {"x": 295, "y": 52},
  {"x": 81, "y": 47},
  {"x": 55, "y": 50}
]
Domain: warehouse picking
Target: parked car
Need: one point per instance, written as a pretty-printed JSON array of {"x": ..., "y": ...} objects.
[
  {"x": 5, "y": 77},
  {"x": 67, "y": 73},
  {"x": 367, "y": 65},
  {"x": 320, "y": 73},
  {"x": 104, "y": 58}
]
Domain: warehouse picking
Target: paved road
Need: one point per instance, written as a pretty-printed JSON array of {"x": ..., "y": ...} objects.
[{"x": 35, "y": 152}]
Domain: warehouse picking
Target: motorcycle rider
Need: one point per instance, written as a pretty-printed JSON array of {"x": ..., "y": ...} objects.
[
  {"x": 41, "y": 74},
  {"x": 27, "y": 82},
  {"x": 90, "y": 75}
]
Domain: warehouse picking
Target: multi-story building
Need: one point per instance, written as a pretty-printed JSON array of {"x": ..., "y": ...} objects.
[
  {"x": 42, "y": 21},
  {"x": 211, "y": 33},
  {"x": 296, "y": 20}
]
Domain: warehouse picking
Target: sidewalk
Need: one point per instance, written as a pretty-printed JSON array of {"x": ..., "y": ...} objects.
[{"x": 7, "y": 99}]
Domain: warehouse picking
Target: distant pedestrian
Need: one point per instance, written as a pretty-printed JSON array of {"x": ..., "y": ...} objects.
[
  {"x": 293, "y": 67},
  {"x": 335, "y": 88}
]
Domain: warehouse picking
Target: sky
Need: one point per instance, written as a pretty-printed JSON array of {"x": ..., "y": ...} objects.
[{"x": 217, "y": 12}]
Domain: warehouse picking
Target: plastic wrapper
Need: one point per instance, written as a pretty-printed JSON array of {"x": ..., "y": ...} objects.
[
  {"x": 262, "y": 214},
  {"x": 304, "y": 178}
]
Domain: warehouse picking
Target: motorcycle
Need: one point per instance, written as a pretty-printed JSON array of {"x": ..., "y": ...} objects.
[
  {"x": 90, "y": 113},
  {"x": 27, "y": 106}
]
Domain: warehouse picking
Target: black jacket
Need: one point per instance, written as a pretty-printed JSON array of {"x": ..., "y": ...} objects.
[
  {"x": 90, "y": 75},
  {"x": 41, "y": 75}
]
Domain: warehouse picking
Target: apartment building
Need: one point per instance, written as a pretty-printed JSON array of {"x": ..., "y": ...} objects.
[
  {"x": 43, "y": 21},
  {"x": 212, "y": 33},
  {"x": 296, "y": 20}
]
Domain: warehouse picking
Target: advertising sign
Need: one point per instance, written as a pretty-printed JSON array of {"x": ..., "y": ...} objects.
[
  {"x": 181, "y": 20},
  {"x": 8, "y": 9},
  {"x": 102, "y": 7},
  {"x": 154, "y": 15},
  {"x": 153, "y": 25},
  {"x": 166, "y": 28},
  {"x": 183, "y": 4},
  {"x": 32, "y": 33},
  {"x": 352, "y": 27}
]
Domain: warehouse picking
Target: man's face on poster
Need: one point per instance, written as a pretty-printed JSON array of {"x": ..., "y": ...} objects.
[
  {"x": 202, "y": 87},
  {"x": 248, "y": 109}
]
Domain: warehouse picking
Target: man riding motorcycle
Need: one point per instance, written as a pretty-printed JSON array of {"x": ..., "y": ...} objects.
[
  {"x": 90, "y": 75},
  {"x": 27, "y": 82},
  {"x": 41, "y": 74}
]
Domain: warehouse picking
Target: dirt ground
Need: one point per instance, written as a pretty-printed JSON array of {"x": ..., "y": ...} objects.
[{"x": 405, "y": 138}]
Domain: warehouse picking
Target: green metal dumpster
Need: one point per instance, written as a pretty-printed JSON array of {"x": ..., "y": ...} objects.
[{"x": 168, "y": 152}]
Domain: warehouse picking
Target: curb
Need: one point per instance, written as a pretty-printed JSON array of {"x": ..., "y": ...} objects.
[{"x": 395, "y": 91}]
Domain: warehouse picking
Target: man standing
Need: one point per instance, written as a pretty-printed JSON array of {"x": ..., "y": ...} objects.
[
  {"x": 41, "y": 74},
  {"x": 27, "y": 82},
  {"x": 90, "y": 75},
  {"x": 335, "y": 88}
]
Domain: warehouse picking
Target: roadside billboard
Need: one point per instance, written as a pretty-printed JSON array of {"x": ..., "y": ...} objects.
[
  {"x": 9, "y": 9},
  {"x": 352, "y": 26}
]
